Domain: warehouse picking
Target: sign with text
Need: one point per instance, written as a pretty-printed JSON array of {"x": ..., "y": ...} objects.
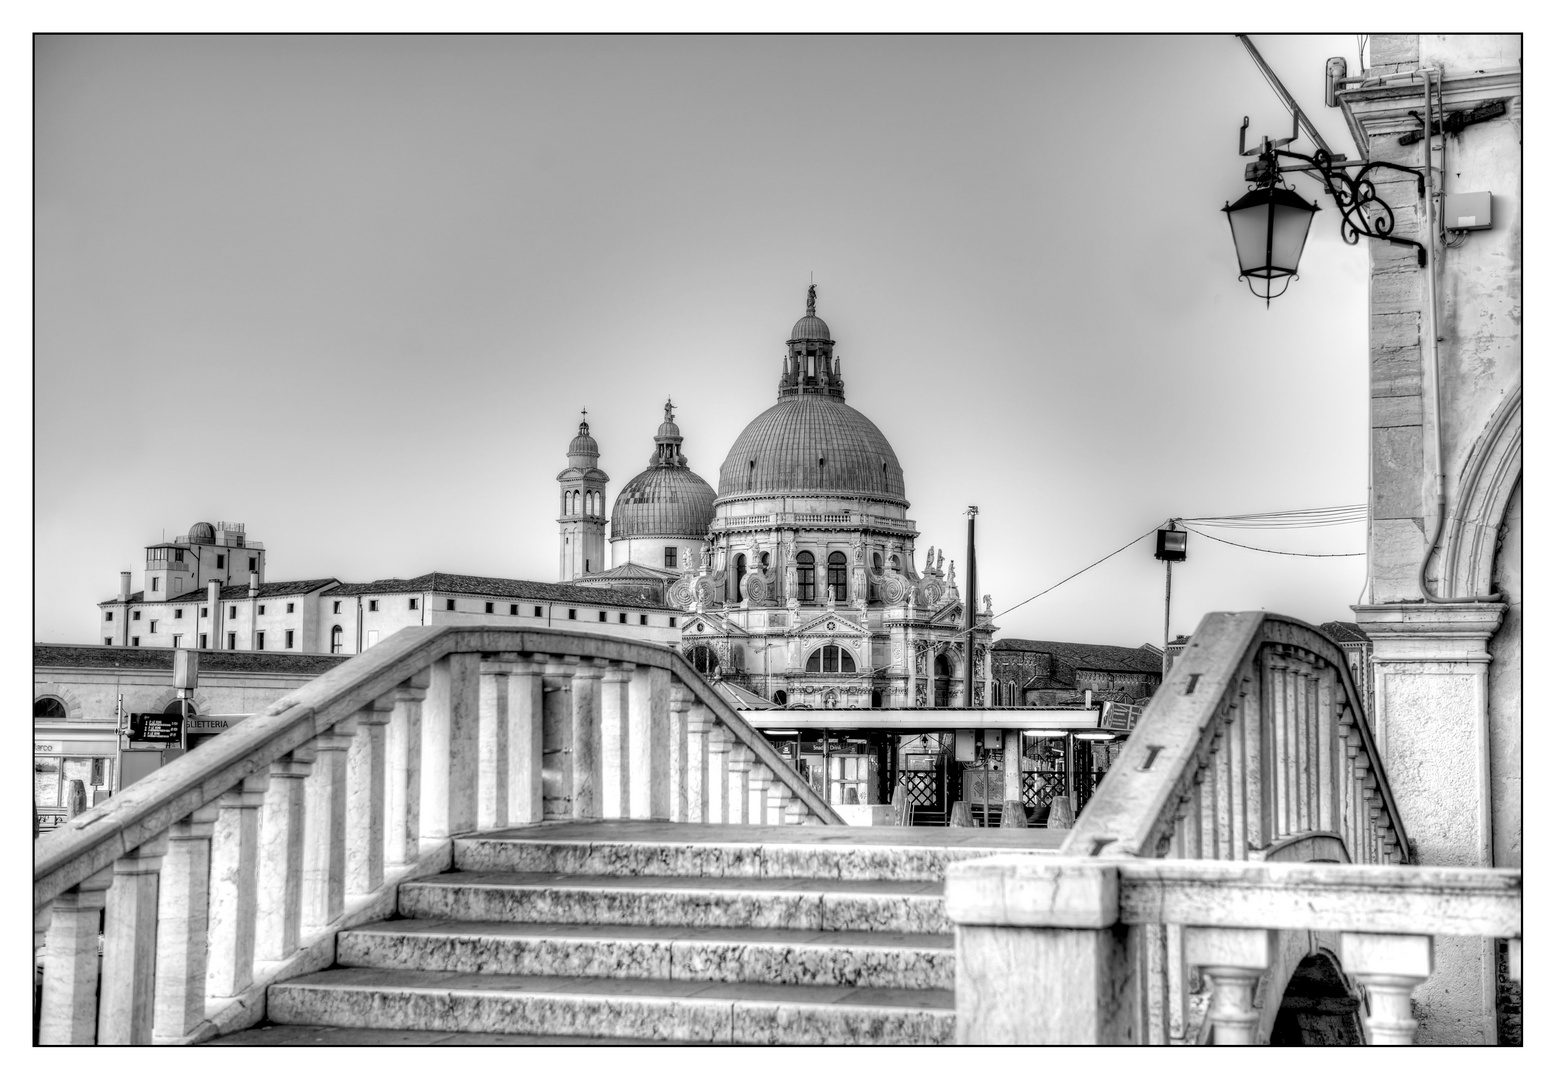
[{"x": 156, "y": 727}]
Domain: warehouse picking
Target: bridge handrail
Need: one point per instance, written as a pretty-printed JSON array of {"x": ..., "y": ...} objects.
[
  {"x": 1197, "y": 775},
  {"x": 1081, "y": 927},
  {"x": 354, "y": 782}
]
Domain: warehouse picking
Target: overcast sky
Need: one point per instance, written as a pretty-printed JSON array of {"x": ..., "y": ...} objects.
[{"x": 353, "y": 292}]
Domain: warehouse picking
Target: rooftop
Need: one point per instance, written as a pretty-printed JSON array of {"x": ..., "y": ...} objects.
[
  {"x": 240, "y": 660},
  {"x": 1089, "y": 657}
]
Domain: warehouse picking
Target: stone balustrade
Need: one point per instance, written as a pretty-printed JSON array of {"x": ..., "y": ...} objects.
[
  {"x": 235, "y": 866},
  {"x": 1049, "y": 950},
  {"x": 1251, "y": 766}
]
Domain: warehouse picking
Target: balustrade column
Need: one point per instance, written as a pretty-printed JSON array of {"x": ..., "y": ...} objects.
[
  {"x": 651, "y": 792},
  {"x": 365, "y": 799},
  {"x": 758, "y": 781},
  {"x": 586, "y": 737},
  {"x": 402, "y": 820},
  {"x": 234, "y": 888},
  {"x": 526, "y": 743},
  {"x": 68, "y": 1012},
  {"x": 699, "y": 723},
  {"x": 450, "y": 747},
  {"x": 124, "y": 1013},
  {"x": 740, "y": 761},
  {"x": 1390, "y": 966},
  {"x": 558, "y": 738},
  {"x": 324, "y": 827},
  {"x": 777, "y": 798},
  {"x": 675, "y": 762},
  {"x": 1233, "y": 960},
  {"x": 719, "y": 745},
  {"x": 183, "y": 926},
  {"x": 615, "y": 776},
  {"x": 1328, "y": 719},
  {"x": 279, "y": 896},
  {"x": 492, "y": 741}
]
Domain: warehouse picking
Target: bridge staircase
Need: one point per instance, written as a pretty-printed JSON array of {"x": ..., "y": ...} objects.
[{"x": 651, "y": 932}]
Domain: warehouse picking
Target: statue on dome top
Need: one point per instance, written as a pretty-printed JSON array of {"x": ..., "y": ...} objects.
[
  {"x": 810, "y": 300},
  {"x": 669, "y": 412}
]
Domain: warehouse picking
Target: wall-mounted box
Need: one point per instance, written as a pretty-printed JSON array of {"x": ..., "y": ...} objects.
[{"x": 1467, "y": 210}]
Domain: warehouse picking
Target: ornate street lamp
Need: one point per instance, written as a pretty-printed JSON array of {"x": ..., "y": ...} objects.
[
  {"x": 1270, "y": 223},
  {"x": 1269, "y": 228}
]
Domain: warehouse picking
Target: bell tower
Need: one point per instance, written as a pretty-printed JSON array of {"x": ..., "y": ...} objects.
[{"x": 582, "y": 520}]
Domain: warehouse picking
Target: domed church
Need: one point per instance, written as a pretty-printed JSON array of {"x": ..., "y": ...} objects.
[{"x": 799, "y": 576}]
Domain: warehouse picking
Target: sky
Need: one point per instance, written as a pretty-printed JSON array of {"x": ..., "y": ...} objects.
[{"x": 354, "y": 291}]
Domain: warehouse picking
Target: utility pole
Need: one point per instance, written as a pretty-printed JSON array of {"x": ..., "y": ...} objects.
[
  {"x": 1172, "y": 545},
  {"x": 970, "y": 607}
]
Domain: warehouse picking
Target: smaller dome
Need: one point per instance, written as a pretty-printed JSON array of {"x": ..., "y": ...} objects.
[
  {"x": 583, "y": 442},
  {"x": 810, "y": 328},
  {"x": 202, "y": 532},
  {"x": 668, "y": 430}
]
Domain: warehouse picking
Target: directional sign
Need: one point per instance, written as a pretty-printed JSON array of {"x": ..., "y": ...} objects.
[{"x": 156, "y": 727}]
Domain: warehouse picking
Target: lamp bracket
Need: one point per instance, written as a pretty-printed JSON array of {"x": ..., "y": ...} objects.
[
  {"x": 1362, "y": 212},
  {"x": 1266, "y": 144}
]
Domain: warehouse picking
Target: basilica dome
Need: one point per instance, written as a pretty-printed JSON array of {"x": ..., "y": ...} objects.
[
  {"x": 671, "y": 501},
  {"x": 812, "y": 445},
  {"x": 666, "y": 499}
]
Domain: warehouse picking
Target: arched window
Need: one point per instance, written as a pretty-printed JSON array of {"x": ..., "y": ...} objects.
[
  {"x": 337, "y": 639},
  {"x": 176, "y": 708},
  {"x": 780, "y": 698},
  {"x": 830, "y": 658},
  {"x": 48, "y": 708},
  {"x": 994, "y": 692},
  {"x": 740, "y": 574},
  {"x": 704, "y": 659},
  {"x": 806, "y": 563},
  {"x": 837, "y": 575},
  {"x": 896, "y": 563},
  {"x": 1010, "y": 693}
]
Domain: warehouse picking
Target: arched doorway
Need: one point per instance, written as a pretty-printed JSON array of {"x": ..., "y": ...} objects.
[
  {"x": 942, "y": 681},
  {"x": 1318, "y": 1008}
]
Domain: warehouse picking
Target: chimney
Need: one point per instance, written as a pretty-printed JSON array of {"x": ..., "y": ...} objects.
[
  {"x": 253, "y": 585},
  {"x": 124, "y": 586},
  {"x": 213, "y": 600}
]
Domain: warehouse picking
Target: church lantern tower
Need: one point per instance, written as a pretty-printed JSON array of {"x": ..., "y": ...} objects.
[{"x": 582, "y": 520}]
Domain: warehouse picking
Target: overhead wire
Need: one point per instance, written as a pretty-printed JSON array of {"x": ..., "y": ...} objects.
[
  {"x": 1079, "y": 572},
  {"x": 1272, "y": 551}
]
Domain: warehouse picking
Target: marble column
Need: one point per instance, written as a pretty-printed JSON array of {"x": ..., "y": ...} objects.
[
  {"x": 402, "y": 818},
  {"x": 324, "y": 828},
  {"x": 124, "y": 1012},
  {"x": 366, "y": 804},
  {"x": 183, "y": 910},
  {"x": 235, "y": 888},
  {"x": 1390, "y": 966},
  {"x": 615, "y": 776},
  {"x": 526, "y": 747},
  {"x": 69, "y": 1008},
  {"x": 492, "y": 741},
  {"x": 450, "y": 756},
  {"x": 279, "y": 898}
]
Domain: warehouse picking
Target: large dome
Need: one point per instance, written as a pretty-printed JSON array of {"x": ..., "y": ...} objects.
[
  {"x": 663, "y": 501},
  {"x": 811, "y": 444}
]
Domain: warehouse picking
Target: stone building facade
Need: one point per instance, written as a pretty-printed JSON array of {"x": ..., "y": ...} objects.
[
  {"x": 1030, "y": 672},
  {"x": 329, "y": 615},
  {"x": 1443, "y": 603}
]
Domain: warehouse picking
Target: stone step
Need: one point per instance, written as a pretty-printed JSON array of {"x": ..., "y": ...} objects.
[
  {"x": 323, "y": 1035},
  {"x": 737, "y": 955},
  {"x": 913, "y": 907},
  {"x": 733, "y": 851},
  {"x": 652, "y": 1009}
]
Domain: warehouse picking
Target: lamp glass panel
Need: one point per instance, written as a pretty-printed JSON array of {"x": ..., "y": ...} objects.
[
  {"x": 1250, "y": 234},
  {"x": 1291, "y": 226}
]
